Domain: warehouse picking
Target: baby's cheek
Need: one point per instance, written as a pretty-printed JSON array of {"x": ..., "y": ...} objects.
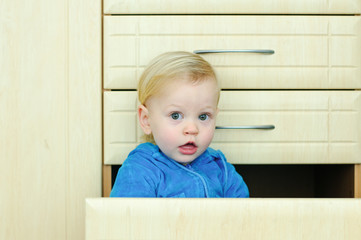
[
  {"x": 210, "y": 135},
  {"x": 169, "y": 136}
]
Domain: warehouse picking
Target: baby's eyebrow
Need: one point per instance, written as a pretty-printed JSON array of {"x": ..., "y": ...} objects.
[
  {"x": 207, "y": 108},
  {"x": 173, "y": 106},
  {"x": 211, "y": 108}
]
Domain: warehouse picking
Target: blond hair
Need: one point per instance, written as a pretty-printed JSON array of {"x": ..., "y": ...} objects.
[{"x": 165, "y": 68}]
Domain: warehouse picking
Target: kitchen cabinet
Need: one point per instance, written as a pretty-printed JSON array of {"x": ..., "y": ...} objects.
[
  {"x": 289, "y": 70},
  {"x": 50, "y": 119}
]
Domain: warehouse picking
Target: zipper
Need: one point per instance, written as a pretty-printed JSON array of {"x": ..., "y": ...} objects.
[{"x": 189, "y": 168}]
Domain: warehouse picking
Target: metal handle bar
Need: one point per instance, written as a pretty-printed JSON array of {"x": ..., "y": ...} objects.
[
  {"x": 263, "y": 127},
  {"x": 261, "y": 51}
]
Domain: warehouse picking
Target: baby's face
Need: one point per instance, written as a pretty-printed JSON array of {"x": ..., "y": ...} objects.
[{"x": 182, "y": 118}]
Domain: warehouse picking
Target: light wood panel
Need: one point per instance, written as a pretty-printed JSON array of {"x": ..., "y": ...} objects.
[
  {"x": 223, "y": 219},
  {"x": 357, "y": 176},
  {"x": 50, "y": 121},
  {"x": 310, "y": 126},
  {"x": 33, "y": 120},
  {"x": 121, "y": 130},
  {"x": 232, "y": 6},
  {"x": 84, "y": 162},
  {"x": 311, "y": 52},
  {"x": 107, "y": 180}
]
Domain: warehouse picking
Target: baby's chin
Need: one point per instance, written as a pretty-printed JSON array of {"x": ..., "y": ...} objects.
[{"x": 185, "y": 160}]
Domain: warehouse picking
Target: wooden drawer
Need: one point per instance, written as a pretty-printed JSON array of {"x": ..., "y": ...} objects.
[
  {"x": 310, "y": 126},
  {"x": 310, "y": 52},
  {"x": 232, "y": 7},
  {"x": 146, "y": 218}
]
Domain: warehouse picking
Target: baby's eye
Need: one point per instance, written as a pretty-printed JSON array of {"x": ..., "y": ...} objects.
[
  {"x": 203, "y": 117},
  {"x": 176, "y": 116}
]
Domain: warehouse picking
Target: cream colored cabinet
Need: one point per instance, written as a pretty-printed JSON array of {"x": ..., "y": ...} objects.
[
  {"x": 259, "y": 127},
  {"x": 303, "y": 52},
  {"x": 232, "y": 7},
  {"x": 299, "y": 219},
  {"x": 50, "y": 117},
  {"x": 290, "y": 76}
]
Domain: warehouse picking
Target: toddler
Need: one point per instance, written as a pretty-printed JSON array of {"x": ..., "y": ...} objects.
[{"x": 178, "y": 94}]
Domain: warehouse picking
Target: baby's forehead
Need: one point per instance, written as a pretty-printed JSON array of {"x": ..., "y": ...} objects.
[{"x": 181, "y": 85}]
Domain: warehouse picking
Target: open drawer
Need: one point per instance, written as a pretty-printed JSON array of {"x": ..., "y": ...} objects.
[
  {"x": 149, "y": 218},
  {"x": 310, "y": 127},
  {"x": 247, "y": 52}
]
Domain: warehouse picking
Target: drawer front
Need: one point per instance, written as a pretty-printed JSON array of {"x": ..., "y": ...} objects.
[
  {"x": 310, "y": 126},
  {"x": 121, "y": 129},
  {"x": 145, "y": 218},
  {"x": 232, "y": 6},
  {"x": 310, "y": 52}
]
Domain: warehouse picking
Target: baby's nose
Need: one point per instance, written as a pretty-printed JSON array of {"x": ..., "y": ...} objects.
[{"x": 190, "y": 128}]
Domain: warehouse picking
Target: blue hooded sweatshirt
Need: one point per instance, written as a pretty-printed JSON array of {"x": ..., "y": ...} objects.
[{"x": 147, "y": 172}]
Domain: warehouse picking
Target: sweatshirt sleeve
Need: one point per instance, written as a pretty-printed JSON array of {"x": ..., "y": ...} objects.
[
  {"x": 134, "y": 180},
  {"x": 235, "y": 186}
]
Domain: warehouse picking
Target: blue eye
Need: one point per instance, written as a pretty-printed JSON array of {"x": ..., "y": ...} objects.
[
  {"x": 175, "y": 116},
  {"x": 203, "y": 117}
]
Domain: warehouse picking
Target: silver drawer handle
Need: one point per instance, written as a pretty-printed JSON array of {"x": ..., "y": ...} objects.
[
  {"x": 264, "y": 127},
  {"x": 262, "y": 51}
]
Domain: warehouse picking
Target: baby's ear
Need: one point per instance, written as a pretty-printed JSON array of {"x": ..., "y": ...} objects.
[{"x": 143, "y": 116}]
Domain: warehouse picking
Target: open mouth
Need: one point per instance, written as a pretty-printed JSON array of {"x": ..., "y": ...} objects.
[
  {"x": 188, "y": 149},
  {"x": 190, "y": 144}
]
